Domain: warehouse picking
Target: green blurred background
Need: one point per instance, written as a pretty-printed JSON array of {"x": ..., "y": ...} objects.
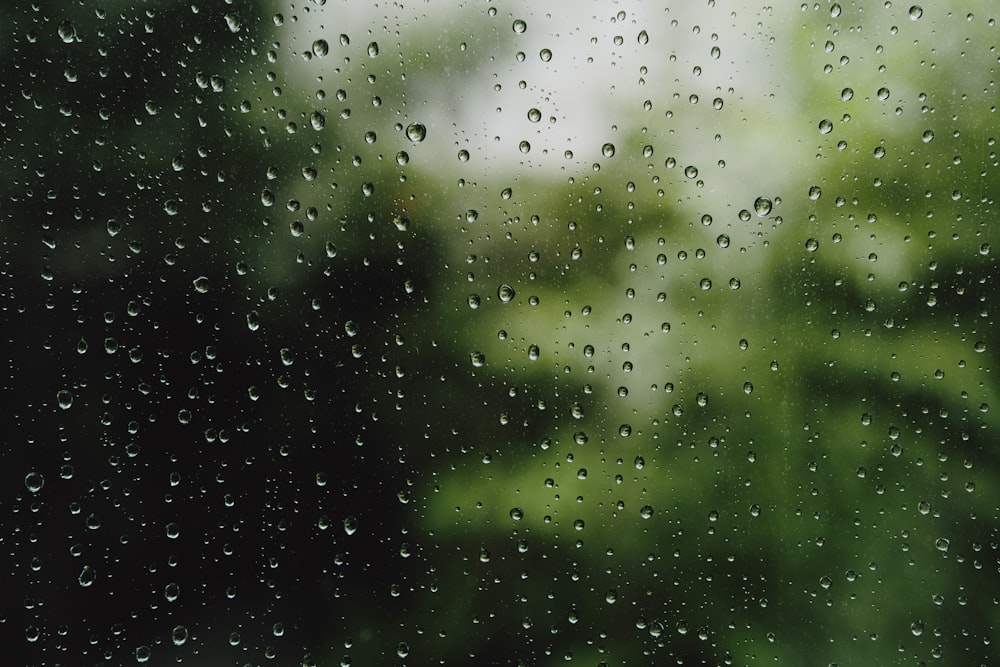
[{"x": 486, "y": 333}]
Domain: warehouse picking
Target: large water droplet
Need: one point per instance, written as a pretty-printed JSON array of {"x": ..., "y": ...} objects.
[
  {"x": 416, "y": 132},
  {"x": 34, "y": 481},
  {"x": 505, "y": 293},
  {"x": 916, "y": 11},
  {"x": 64, "y": 397},
  {"x": 67, "y": 32},
  {"x": 762, "y": 206},
  {"x": 320, "y": 48},
  {"x": 317, "y": 120},
  {"x": 519, "y": 26}
]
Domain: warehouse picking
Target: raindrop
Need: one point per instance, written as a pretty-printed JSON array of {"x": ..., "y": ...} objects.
[
  {"x": 691, "y": 171},
  {"x": 350, "y": 525},
  {"x": 608, "y": 150},
  {"x": 64, "y": 398},
  {"x": 201, "y": 284},
  {"x": 179, "y": 635},
  {"x": 34, "y": 481},
  {"x": 317, "y": 120},
  {"x": 516, "y": 513},
  {"x": 846, "y": 94},
  {"x": 916, "y": 12},
  {"x": 883, "y": 93},
  {"x": 416, "y": 132},
  {"x": 815, "y": 192},
  {"x": 942, "y": 544},
  {"x": 520, "y": 26},
  {"x": 812, "y": 245},
  {"x": 524, "y": 147},
  {"x": 762, "y": 205},
  {"x": 545, "y": 55},
  {"x": 723, "y": 240},
  {"x": 373, "y": 49},
  {"x": 320, "y": 48},
  {"x": 643, "y": 37},
  {"x": 67, "y": 32},
  {"x": 928, "y": 136},
  {"x": 87, "y": 576},
  {"x": 478, "y": 359},
  {"x": 505, "y": 293},
  {"x": 825, "y": 126},
  {"x": 646, "y": 512},
  {"x": 534, "y": 115}
]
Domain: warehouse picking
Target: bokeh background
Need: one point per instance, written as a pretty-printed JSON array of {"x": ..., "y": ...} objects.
[{"x": 494, "y": 333}]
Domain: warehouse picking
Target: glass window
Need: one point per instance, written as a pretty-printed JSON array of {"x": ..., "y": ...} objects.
[{"x": 612, "y": 333}]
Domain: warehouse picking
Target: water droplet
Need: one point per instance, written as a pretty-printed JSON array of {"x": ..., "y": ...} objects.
[
  {"x": 474, "y": 301},
  {"x": 524, "y": 147},
  {"x": 942, "y": 544},
  {"x": 320, "y": 48},
  {"x": 34, "y": 481},
  {"x": 815, "y": 192},
  {"x": 505, "y": 293},
  {"x": 834, "y": 10},
  {"x": 608, "y": 150},
  {"x": 643, "y": 37},
  {"x": 734, "y": 284},
  {"x": 646, "y": 512},
  {"x": 350, "y": 525},
  {"x": 317, "y": 120},
  {"x": 747, "y": 388},
  {"x": 373, "y": 49},
  {"x": 928, "y": 136},
  {"x": 762, "y": 205},
  {"x": 825, "y": 126},
  {"x": 516, "y": 513},
  {"x": 533, "y": 352},
  {"x": 883, "y": 93},
  {"x": 142, "y": 654},
  {"x": 924, "y": 507},
  {"x": 64, "y": 398},
  {"x": 916, "y": 11},
  {"x": 519, "y": 26},
  {"x": 87, "y": 576},
  {"x": 478, "y": 359},
  {"x": 179, "y": 635},
  {"x": 611, "y": 596},
  {"x": 917, "y": 628},
  {"x": 67, "y": 32},
  {"x": 545, "y": 55},
  {"x": 846, "y": 94},
  {"x": 416, "y": 132},
  {"x": 691, "y": 171},
  {"x": 402, "y": 158},
  {"x": 201, "y": 284},
  {"x": 534, "y": 115}
]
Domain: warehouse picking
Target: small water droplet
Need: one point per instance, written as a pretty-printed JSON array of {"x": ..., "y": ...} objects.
[{"x": 516, "y": 513}]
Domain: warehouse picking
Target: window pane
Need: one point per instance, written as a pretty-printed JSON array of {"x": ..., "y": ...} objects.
[{"x": 500, "y": 333}]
